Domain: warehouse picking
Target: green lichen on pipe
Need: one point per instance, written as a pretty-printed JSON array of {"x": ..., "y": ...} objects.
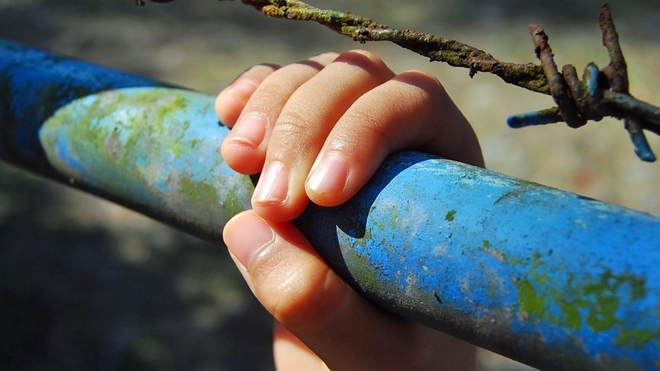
[
  {"x": 154, "y": 147},
  {"x": 590, "y": 300},
  {"x": 539, "y": 275},
  {"x": 594, "y": 264}
]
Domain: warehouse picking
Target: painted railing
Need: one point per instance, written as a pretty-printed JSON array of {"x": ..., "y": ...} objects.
[{"x": 549, "y": 278}]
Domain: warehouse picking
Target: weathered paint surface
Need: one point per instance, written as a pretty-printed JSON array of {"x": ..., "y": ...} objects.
[
  {"x": 156, "y": 149},
  {"x": 549, "y": 278},
  {"x": 33, "y": 85}
]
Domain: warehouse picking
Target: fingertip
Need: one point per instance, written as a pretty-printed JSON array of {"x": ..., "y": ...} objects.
[
  {"x": 279, "y": 195},
  {"x": 280, "y": 212},
  {"x": 246, "y": 234},
  {"x": 228, "y": 106},
  {"x": 242, "y": 148},
  {"x": 283, "y": 270},
  {"x": 232, "y": 99},
  {"x": 241, "y": 157}
]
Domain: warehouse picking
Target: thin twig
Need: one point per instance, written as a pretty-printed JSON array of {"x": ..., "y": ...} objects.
[
  {"x": 599, "y": 94},
  {"x": 529, "y": 76}
]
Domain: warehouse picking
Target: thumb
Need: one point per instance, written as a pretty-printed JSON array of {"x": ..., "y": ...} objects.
[{"x": 303, "y": 294}]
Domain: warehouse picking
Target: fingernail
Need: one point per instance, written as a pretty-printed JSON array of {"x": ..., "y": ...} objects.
[
  {"x": 328, "y": 177},
  {"x": 273, "y": 184},
  {"x": 248, "y": 238},
  {"x": 250, "y": 130}
]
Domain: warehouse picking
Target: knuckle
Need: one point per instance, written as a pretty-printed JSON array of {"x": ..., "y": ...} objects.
[
  {"x": 366, "y": 54},
  {"x": 326, "y": 55},
  {"x": 266, "y": 101},
  {"x": 369, "y": 128},
  {"x": 259, "y": 71},
  {"x": 423, "y": 75},
  {"x": 361, "y": 58},
  {"x": 290, "y": 136},
  {"x": 292, "y": 123},
  {"x": 423, "y": 80},
  {"x": 271, "y": 92}
]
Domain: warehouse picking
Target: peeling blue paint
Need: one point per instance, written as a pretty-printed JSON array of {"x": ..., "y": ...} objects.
[
  {"x": 34, "y": 84},
  {"x": 514, "y": 271},
  {"x": 546, "y": 277}
]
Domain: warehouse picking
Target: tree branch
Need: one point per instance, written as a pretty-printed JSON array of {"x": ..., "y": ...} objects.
[
  {"x": 600, "y": 93},
  {"x": 436, "y": 48}
]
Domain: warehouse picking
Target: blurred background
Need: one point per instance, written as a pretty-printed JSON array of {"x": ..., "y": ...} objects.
[{"x": 88, "y": 285}]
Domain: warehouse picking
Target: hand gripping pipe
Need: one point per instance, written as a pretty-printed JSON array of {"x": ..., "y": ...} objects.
[{"x": 549, "y": 278}]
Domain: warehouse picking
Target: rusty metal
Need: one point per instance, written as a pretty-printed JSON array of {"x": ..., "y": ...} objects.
[{"x": 602, "y": 93}]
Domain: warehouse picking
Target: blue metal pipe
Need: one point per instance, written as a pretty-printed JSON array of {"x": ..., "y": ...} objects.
[
  {"x": 34, "y": 84},
  {"x": 546, "y": 277}
]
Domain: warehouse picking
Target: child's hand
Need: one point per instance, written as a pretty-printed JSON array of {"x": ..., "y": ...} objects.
[{"x": 318, "y": 130}]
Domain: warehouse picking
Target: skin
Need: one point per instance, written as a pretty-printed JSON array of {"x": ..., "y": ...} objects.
[{"x": 317, "y": 130}]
